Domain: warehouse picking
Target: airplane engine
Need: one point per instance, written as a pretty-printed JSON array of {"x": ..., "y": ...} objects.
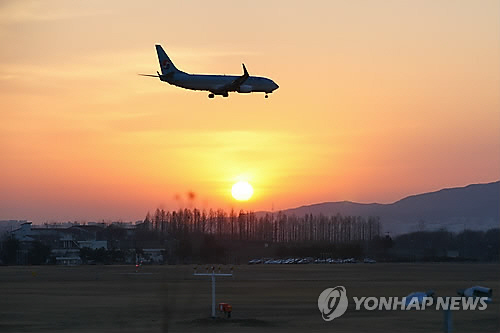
[{"x": 245, "y": 89}]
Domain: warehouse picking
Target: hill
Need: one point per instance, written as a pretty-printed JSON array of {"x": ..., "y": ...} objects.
[{"x": 475, "y": 207}]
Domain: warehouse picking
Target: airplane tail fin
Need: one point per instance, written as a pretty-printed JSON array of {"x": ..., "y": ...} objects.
[{"x": 166, "y": 65}]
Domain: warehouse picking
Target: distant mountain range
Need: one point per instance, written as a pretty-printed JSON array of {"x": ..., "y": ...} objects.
[{"x": 474, "y": 207}]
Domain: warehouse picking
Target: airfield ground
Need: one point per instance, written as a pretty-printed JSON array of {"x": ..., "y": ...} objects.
[{"x": 265, "y": 298}]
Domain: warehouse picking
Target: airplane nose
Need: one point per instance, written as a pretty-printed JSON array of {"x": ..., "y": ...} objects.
[{"x": 275, "y": 86}]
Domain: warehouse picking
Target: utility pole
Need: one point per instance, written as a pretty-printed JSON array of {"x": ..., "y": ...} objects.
[{"x": 213, "y": 275}]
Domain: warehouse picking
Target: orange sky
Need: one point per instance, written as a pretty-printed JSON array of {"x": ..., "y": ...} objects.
[{"x": 377, "y": 100}]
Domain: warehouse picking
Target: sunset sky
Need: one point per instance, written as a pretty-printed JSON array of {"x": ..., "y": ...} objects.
[{"x": 377, "y": 100}]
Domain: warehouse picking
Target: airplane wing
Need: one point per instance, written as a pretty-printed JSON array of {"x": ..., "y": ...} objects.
[{"x": 233, "y": 86}]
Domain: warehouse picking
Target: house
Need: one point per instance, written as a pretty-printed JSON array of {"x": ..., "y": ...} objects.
[{"x": 65, "y": 242}]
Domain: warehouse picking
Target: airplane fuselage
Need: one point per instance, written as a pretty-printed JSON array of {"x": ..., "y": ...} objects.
[{"x": 215, "y": 83}]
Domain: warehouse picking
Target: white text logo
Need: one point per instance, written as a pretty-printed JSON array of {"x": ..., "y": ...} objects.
[{"x": 332, "y": 303}]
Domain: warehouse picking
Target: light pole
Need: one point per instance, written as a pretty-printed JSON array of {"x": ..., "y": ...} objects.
[{"x": 213, "y": 275}]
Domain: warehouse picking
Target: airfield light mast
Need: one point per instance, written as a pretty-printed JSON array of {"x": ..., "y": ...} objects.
[{"x": 213, "y": 275}]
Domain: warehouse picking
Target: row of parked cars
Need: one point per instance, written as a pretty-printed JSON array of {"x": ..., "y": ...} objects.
[
  {"x": 269, "y": 261},
  {"x": 343, "y": 261},
  {"x": 308, "y": 260}
]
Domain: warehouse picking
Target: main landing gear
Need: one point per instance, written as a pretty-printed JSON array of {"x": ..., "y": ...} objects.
[{"x": 212, "y": 95}]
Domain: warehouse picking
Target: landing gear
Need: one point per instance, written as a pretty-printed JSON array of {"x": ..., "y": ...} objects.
[
  {"x": 211, "y": 95},
  {"x": 266, "y": 96},
  {"x": 226, "y": 94}
]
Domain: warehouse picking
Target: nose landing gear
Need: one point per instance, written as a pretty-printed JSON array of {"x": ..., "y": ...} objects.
[
  {"x": 211, "y": 95},
  {"x": 266, "y": 96}
]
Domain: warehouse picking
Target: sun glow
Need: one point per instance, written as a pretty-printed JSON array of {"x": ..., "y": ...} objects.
[{"x": 242, "y": 191}]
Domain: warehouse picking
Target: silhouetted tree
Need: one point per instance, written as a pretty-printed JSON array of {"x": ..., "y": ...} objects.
[
  {"x": 39, "y": 253},
  {"x": 10, "y": 246}
]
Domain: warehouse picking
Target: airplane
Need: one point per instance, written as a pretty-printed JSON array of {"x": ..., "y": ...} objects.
[{"x": 215, "y": 84}]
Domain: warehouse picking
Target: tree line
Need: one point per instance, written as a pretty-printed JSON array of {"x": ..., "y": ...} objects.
[
  {"x": 218, "y": 236},
  {"x": 272, "y": 228},
  {"x": 445, "y": 245}
]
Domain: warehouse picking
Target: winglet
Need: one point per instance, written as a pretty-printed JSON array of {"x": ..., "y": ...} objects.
[{"x": 245, "y": 72}]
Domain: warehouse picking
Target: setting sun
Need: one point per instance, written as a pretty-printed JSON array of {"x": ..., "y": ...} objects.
[{"x": 242, "y": 191}]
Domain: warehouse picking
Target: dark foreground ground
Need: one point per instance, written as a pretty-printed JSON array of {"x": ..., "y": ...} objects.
[{"x": 267, "y": 298}]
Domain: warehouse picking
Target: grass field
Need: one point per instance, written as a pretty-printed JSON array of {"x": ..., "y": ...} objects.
[{"x": 265, "y": 298}]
